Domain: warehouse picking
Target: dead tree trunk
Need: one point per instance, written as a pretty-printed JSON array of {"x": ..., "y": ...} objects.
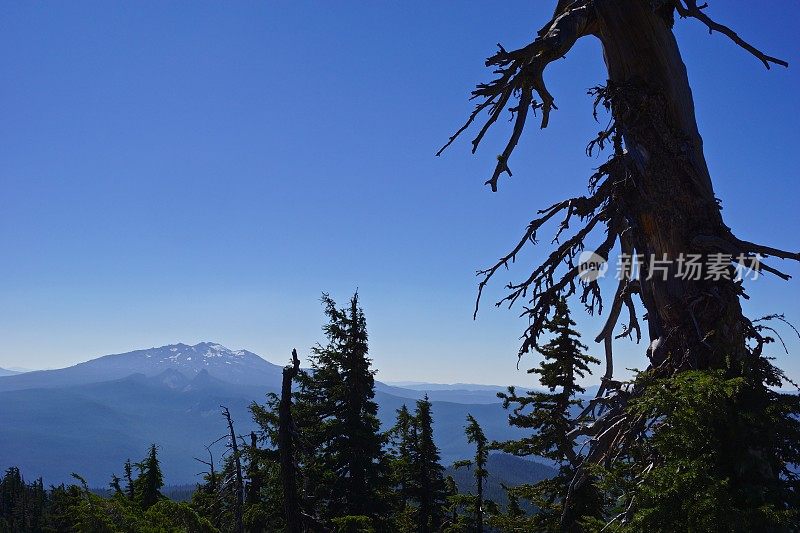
[
  {"x": 253, "y": 473},
  {"x": 238, "y": 466},
  {"x": 672, "y": 208},
  {"x": 288, "y": 471},
  {"x": 653, "y": 197}
]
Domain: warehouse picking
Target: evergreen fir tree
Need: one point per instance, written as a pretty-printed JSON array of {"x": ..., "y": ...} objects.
[
  {"x": 337, "y": 414},
  {"x": 115, "y": 485},
  {"x": 128, "y": 473},
  {"x": 704, "y": 442},
  {"x": 402, "y": 439},
  {"x": 147, "y": 485},
  {"x": 214, "y": 498},
  {"x": 60, "y": 503},
  {"x": 548, "y": 416},
  {"x": 29, "y": 508},
  {"x": 514, "y": 518},
  {"x": 454, "y": 521},
  {"x": 417, "y": 474},
  {"x": 205, "y": 500},
  {"x": 476, "y": 436},
  {"x": 513, "y": 509},
  {"x": 427, "y": 474},
  {"x": 13, "y": 501}
]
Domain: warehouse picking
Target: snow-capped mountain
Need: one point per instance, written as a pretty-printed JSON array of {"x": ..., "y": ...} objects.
[
  {"x": 217, "y": 360},
  {"x": 239, "y": 367},
  {"x": 117, "y": 405}
]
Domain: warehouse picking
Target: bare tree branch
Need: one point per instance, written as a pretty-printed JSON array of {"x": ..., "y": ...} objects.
[
  {"x": 690, "y": 9},
  {"x": 521, "y": 73}
]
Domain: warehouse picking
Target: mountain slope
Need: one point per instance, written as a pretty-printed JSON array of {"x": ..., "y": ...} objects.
[
  {"x": 92, "y": 429},
  {"x": 442, "y": 393},
  {"x": 91, "y": 417},
  {"x": 7, "y": 372},
  {"x": 503, "y": 469},
  {"x": 236, "y": 366}
]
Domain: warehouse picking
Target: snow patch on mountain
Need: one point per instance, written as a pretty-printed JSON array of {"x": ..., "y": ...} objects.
[{"x": 232, "y": 366}]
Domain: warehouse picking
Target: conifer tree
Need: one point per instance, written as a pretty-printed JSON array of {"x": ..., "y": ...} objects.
[
  {"x": 548, "y": 416},
  {"x": 208, "y": 501},
  {"x": 23, "y": 506},
  {"x": 29, "y": 508},
  {"x": 417, "y": 473},
  {"x": 514, "y": 518},
  {"x": 217, "y": 500},
  {"x": 337, "y": 414},
  {"x": 13, "y": 499},
  {"x": 476, "y": 436},
  {"x": 454, "y": 501},
  {"x": 513, "y": 509},
  {"x": 147, "y": 485},
  {"x": 402, "y": 439},
  {"x": 428, "y": 487},
  {"x": 115, "y": 485},
  {"x": 128, "y": 473}
]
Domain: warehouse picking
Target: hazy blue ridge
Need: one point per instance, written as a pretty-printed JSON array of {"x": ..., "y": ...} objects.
[{"x": 91, "y": 417}]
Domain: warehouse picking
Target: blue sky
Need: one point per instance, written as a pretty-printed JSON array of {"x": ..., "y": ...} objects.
[{"x": 187, "y": 171}]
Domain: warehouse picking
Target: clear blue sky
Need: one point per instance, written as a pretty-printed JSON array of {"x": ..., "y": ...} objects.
[{"x": 187, "y": 171}]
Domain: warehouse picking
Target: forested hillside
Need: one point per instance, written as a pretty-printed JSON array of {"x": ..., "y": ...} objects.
[
  {"x": 316, "y": 451},
  {"x": 50, "y": 419}
]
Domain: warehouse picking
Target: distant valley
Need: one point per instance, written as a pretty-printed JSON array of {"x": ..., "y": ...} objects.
[{"x": 90, "y": 417}]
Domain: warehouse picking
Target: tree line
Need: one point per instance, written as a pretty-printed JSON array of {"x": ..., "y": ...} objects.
[{"x": 320, "y": 462}]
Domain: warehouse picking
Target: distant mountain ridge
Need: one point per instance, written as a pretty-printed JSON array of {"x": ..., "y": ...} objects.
[
  {"x": 7, "y": 372},
  {"x": 425, "y": 386},
  {"x": 235, "y": 366},
  {"x": 487, "y": 395},
  {"x": 90, "y": 417},
  {"x": 504, "y": 470}
]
